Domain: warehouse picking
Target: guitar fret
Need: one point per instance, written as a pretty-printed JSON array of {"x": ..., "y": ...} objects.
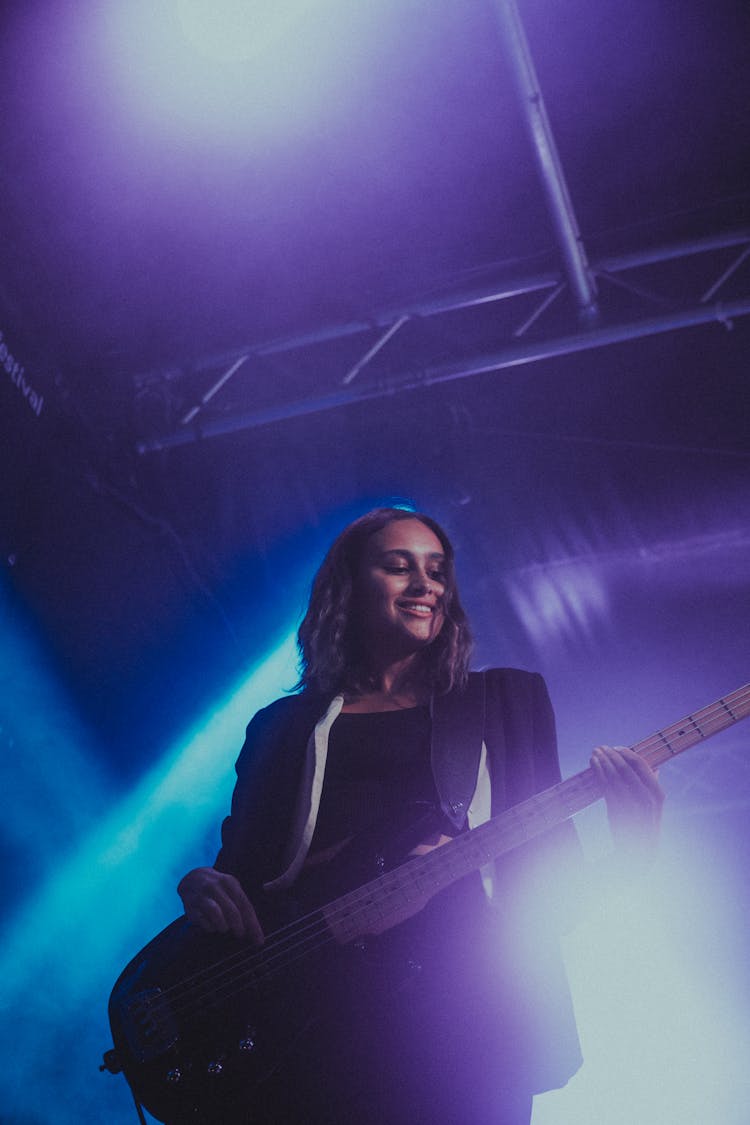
[
  {"x": 667, "y": 743},
  {"x": 729, "y": 710}
]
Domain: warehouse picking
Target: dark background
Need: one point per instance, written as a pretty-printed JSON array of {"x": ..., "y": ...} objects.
[{"x": 598, "y": 500}]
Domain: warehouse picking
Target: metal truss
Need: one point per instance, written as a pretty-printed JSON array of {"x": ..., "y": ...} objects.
[
  {"x": 523, "y": 320},
  {"x": 505, "y": 322}
]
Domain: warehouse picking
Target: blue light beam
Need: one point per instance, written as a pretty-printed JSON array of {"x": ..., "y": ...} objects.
[{"x": 113, "y": 887}]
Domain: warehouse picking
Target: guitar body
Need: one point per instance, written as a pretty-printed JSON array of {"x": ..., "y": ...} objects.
[
  {"x": 180, "y": 1053},
  {"x": 222, "y": 1048},
  {"x": 204, "y": 1021}
]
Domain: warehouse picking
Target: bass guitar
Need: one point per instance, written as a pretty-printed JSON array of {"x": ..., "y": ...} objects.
[{"x": 195, "y": 1016}]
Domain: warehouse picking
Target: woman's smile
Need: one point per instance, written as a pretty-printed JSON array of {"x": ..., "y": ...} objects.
[{"x": 401, "y": 587}]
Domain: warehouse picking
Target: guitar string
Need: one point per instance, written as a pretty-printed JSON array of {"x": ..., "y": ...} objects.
[
  {"x": 413, "y": 874},
  {"x": 317, "y": 937},
  {"x": 259, "y": 964},
  {"x": 317, "y": 925},
  {"x": 656, "y": 740},
  {"x": 217, "y": 990},
  {"x": 318, "y": 932}
]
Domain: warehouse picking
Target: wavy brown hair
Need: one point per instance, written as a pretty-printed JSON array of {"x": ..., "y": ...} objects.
[{"x": 331, "y": 659}]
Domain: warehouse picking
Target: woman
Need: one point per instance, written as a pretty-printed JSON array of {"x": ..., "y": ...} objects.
[{"x": 391, "y": 739}]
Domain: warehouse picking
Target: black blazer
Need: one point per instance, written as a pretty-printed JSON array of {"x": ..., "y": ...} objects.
[{"x": 511, "y": 710}]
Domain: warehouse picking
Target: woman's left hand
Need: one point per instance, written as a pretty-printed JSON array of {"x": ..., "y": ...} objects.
[{"x": 634, "y": 800}]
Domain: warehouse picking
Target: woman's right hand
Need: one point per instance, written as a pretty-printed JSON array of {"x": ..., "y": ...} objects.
[{"x": 216, "y": 902}]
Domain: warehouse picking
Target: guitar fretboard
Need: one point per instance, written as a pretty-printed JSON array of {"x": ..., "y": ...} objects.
[{"x": 371, "y": 906}]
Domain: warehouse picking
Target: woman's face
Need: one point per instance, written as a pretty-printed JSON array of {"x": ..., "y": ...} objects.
[{"x": 399, "y": 592}]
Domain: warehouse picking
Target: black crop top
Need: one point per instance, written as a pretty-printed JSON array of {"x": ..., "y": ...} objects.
[{"x": 378, "y": 764}]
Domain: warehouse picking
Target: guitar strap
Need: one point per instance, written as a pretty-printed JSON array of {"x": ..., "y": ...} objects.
[{"x": 458, "y": 722}]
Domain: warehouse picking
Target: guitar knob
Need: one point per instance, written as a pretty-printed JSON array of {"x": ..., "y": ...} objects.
[
  {"x": 247, "y": 1043},
  {"x": 174, "y": 1075},
  {"x": 215, "y": 1067}
]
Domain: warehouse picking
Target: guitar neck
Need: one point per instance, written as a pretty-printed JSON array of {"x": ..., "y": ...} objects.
[{"x": 365, "y": 910}]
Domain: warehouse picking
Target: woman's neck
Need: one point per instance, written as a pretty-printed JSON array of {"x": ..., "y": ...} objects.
[{"x": 393, "y": 689}]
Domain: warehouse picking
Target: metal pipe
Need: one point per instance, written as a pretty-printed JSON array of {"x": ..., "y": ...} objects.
[
  {"x": 579, "y": 274},
  {"x": 468, "y": 298},
  {"x": 212, "y": 390},
  {"x": 354, "y": 371},
  {"x": 529, "y": 351},
  {"x": 385, "y": 318},
  {"x": 669, "y": 251},
  {"x": 725, "y": 275}
]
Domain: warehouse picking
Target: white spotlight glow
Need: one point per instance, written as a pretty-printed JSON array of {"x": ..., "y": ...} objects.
[{"x": 664, "y": 1031}]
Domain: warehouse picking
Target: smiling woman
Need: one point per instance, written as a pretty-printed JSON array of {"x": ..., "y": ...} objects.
[
  {"x": 400, "y": 589},
  {"x": 385, "y": 621},
  {"x": 389, "y": 755}
]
